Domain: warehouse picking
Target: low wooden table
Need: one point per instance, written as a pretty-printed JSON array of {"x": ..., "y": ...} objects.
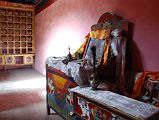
[{"x": 106, "y": 105}]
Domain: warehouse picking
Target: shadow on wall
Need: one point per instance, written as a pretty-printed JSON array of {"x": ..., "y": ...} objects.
[{"x": 132, "y": 52}]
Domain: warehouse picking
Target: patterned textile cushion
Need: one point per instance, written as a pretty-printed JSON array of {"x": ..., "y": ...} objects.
[
  {"x": 151, "y": 92},
  {"x": 99, "y": 44},
  {"x": 152, "y": 87}
]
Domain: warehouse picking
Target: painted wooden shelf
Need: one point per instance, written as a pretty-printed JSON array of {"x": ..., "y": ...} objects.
[{"x": 16, "y": 32}]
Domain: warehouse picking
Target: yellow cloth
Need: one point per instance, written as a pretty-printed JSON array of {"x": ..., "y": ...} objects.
[
  {"x": 83, "y": 46},
  {"x": 98, "y": 34}
]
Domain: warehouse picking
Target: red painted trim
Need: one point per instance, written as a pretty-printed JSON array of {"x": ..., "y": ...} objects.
[
  {"x": 38, "y": 2},
  {"x": 45, "y": 6},
  {"x": 16, "y": 5}
]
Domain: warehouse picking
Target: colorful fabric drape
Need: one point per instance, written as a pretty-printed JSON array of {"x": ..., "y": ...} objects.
[
  {"x": 98, "y": 34},
  {"x": 137, "y": 90}
]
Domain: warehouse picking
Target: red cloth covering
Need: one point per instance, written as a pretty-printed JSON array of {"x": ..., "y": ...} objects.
[{"x": 139, "y": 84}]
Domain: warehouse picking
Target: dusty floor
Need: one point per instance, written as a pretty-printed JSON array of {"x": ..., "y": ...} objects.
[{"x": 14, "y": 105}]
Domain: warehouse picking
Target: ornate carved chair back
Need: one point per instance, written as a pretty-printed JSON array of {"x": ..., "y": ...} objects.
[{"x": 114, "y": 68}]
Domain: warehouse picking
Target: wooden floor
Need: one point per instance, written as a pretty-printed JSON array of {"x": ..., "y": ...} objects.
[{"x": 22, "y": 95}]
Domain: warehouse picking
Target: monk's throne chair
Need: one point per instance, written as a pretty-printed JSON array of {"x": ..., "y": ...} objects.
[
  {"x": 106, "y": 71},
  {"x": 109, "y": 37}
]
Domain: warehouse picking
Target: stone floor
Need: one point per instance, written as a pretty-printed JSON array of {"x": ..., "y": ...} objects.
[{"x": 24, "y": 81}]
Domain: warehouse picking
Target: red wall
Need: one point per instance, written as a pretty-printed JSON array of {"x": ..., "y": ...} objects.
[{"x": 66, "y": 22}]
